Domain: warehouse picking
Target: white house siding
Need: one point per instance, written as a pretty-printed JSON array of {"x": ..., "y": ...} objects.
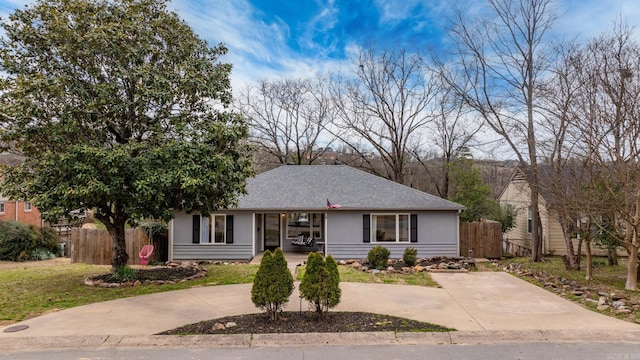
[
  {"x": 184, "y": 249},
  {"x": 437, "y": 235}
]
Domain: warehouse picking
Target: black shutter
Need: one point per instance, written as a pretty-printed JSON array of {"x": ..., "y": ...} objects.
[
  {"x": 229, "y": 222},
  {"x": 195, "y": 236},
  {"x": 366, "y": 228},
  {"x": 414, "y": 227}
]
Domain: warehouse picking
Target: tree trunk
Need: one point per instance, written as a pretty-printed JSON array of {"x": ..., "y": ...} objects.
[
  {"x": 119, "y": 256},
  {"x": 632, "y": 269},
  {"x": 536, "y": 241},
  {"x": 612, "y": 257},
  {"x": 589, "y": 268},
  {"x": 574, "y": 264}
]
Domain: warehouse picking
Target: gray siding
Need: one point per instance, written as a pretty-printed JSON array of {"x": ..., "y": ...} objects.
[
  {"x": 184, "y": 249},
  {"x": 437, "y": 236}
]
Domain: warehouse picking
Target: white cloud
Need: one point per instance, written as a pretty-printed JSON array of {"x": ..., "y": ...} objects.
[{"x": 586, "y": 19}]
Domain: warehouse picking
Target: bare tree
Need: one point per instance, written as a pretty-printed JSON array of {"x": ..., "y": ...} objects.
[
  {"x": 610, "y": 131},
  {"x": 385, "y": 106},
  {"x": 287, "y": 118},
  {"x": 562, "y": 179},
  {"x": 449, "y": 136},
  {"x": 501, "y": 61}
]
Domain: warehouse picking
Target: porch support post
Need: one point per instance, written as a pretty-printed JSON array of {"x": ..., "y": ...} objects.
[
  {"x": 326, "y": 234},
  {"x": 253, "y": 234}
]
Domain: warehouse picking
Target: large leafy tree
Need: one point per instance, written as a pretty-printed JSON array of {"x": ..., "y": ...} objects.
[{"x": 115, "y": 105}]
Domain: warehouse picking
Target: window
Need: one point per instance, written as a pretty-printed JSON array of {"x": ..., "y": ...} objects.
[
  {"x": 27, "y": 206},
  {"x": 216, "y": 229},
  {"x": 529, "y": 220},
  {"x": 219, "y": 229},
  {"x": 390, "y": 227},
  {"x": 2, "y": 207},
  {"x": 304, "y": 224}
]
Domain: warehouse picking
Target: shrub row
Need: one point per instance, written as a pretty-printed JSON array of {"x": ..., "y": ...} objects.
[{"x": 20, "y": 242}]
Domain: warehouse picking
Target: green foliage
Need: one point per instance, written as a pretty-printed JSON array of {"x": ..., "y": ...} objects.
[
  {"x": 120, "y": 114},
  {"x": 505, "y": 215},
  {"x": 41, "y": 254},
  {"x": 321, "y": 283},
  {"x": 378, "y": 257},
  {"x": 17, "y": 241},
  {"x": 470, "y": 190},
  {"x": 125, "y": 273},
  {"x": 409, "y": 256},
  {"x": 273, "y": 284},
  {"x": 48, "y": 240}
]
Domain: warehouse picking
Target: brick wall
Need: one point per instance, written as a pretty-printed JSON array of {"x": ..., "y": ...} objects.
[{"x": 31, "y": 217}]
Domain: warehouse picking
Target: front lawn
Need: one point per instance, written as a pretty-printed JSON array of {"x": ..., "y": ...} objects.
[{"x": 29, "y": 291}]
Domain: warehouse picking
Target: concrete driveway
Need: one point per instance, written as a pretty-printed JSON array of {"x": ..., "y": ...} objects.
[{"x": 481, "y": 301}]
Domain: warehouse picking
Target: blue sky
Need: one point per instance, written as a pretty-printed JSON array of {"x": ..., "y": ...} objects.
[{"x": 297, "y": 38}]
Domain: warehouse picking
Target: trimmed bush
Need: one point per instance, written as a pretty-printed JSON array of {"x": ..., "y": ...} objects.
[
  {"x": 409, "y": 256},
  {"x": 378, "y": 257},
  {"x": 17, "y": 241},
  {"x": 321, "y": 283},
  {"x": 273, "y": 284}
]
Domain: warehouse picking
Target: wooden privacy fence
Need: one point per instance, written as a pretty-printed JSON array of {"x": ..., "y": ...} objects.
[
  {"x": 92, "y": 246},
  {"x": 481, "y": 239}
]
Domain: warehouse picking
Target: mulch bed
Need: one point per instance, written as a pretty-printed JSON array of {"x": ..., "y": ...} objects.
[
  {"x": 306, "y": 322},
  {"x": 155, "y": 274}
]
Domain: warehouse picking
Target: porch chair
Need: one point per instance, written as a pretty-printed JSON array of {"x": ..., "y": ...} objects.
[{"x": 145, "y": 253}]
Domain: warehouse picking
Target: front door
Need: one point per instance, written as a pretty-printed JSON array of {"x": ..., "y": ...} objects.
[{"x": 271, "y": 231}]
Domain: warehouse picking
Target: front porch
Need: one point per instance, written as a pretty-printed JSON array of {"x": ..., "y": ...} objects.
[{"x": 293, "y": 232}]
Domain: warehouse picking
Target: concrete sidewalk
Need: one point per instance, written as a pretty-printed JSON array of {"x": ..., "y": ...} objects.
[{"x": 498, "y": 305}]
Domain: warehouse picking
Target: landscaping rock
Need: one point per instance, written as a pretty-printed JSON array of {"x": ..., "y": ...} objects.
[
  {"x": 218, "y": 326},
  {"x": 418, "y": 268},
  {"x": 230, "y": 324}
]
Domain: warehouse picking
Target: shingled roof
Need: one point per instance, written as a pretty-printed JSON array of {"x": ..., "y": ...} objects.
[{"x": 307, "y": 187}]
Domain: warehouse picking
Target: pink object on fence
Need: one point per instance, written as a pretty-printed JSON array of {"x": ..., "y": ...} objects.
[{"x": 145, "y": 253}]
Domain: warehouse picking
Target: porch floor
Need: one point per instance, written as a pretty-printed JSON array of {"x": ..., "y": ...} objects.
[{"x": 293, "y": 260}]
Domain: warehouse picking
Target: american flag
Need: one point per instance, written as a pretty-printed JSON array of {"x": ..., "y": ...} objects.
[{"x": 332, "y": 206}]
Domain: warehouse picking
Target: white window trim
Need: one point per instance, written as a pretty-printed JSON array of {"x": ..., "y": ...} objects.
[
  {"x": 25, "y": 206},
  {"x": 372, "y": 234},
  {"x": 529, "y": 220}
]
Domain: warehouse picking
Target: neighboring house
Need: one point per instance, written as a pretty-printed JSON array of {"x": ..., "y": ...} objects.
[
  {"x": 346, "y": 211},
  {"x": 517, "y": 195},
  {"x": 17, "y": 210}
]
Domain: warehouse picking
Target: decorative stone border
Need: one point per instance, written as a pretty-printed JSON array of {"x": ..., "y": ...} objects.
[
  {"x": 99, "y": 283},
  {"x": 436, "y": 264}
]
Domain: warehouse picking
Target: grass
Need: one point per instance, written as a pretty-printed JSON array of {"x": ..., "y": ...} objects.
[
  {"x": 349, "y": 274},
  {"x": 603, "y": 275},
  {"x": 30, "y": 291}
]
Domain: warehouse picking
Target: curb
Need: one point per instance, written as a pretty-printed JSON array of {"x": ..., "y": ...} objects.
[{"x": 18, "y": 344}]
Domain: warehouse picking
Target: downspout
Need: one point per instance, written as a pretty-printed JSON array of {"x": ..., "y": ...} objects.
[
  {"x": 253, "y": 235},
  {"x": 170, "y": 257},
  {"x": 458, "y": 233},
  {"x": 326, "y": 233},
  {"x": 17, "y": 211}
]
